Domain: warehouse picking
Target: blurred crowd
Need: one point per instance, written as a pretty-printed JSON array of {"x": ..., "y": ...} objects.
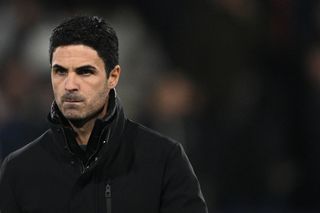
[{"x": 237, "y": 82}]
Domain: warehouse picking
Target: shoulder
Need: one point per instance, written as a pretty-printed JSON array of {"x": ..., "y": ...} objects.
[
  {"x": 150, "y": 142},
  {"x": 27, "y": 152},
  {"x": 150, "y": 136}
]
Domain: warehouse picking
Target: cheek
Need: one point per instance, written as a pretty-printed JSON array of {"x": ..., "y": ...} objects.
[
  {"x": 101, "y": 93},
  {"x": 97, "y": 93},
  {"x": 55, "y": 83},
  {"x": 56, "y": 91},
  {"x": 101, "y": 87}
]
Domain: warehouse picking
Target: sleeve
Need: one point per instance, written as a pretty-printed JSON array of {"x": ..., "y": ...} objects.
[
  {"x": 7, "y": 199},
  {"x": 181, "y": 189}
]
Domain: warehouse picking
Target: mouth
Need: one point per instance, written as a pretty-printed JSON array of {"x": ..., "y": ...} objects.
[{"x": 72, "y": 101}]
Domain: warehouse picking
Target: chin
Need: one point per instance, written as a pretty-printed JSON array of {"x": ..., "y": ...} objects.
[
  {"x": 77, "y": 121},
  {"x": 73, "y": 116}
]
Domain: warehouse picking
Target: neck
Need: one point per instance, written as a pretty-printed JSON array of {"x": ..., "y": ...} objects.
[{"x": 83, "y": 133}]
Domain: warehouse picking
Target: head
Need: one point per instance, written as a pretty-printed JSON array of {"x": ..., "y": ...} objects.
[
  {"x": 84, "y": 67},
  {"x": 91, "y": 31}
]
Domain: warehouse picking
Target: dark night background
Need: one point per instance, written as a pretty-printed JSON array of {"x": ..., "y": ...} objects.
[{"x": 237, "y": 82}]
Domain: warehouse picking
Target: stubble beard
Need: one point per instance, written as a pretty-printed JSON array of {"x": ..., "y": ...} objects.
[{"x": 81, "y": 120}]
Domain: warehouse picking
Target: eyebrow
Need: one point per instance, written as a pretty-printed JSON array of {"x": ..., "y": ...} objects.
[
  {"x": 86, "y": 67},
  {"x": 57, "y": 66}
]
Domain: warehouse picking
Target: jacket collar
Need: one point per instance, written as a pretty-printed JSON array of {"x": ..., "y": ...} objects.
[{"x": 105, "y": 140}]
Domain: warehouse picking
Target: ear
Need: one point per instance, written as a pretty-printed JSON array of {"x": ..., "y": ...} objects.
[{"x": 114, "y": 76}]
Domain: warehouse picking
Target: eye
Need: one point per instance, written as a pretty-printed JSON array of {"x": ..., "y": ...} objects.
[
  {"x": 85, "y": 71},
  {"x": 59, "y": 71}
]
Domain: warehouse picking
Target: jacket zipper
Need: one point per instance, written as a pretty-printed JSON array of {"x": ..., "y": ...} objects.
[
  {"x": 106, "y": 140},
  {"x": 108, "y": 197},
  {"x": 84, "y": 167}
]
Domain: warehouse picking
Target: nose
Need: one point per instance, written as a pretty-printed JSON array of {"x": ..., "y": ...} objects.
[{"x": 71, "y": 83}]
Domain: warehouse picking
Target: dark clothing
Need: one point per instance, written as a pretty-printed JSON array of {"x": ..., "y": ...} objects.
[{"x": 125, "y": 168}]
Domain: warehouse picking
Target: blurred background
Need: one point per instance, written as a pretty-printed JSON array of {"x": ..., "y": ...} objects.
[{"x": 237, "y": 82}]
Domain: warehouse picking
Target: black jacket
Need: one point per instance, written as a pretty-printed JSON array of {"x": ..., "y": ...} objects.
[{"x": 127, "y": 168}]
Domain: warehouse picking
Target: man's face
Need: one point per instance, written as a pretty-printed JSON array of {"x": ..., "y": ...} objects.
[{"x": 80, "y": 82}]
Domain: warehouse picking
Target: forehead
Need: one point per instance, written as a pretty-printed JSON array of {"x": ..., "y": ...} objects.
[{"x": 76, "y": 55}]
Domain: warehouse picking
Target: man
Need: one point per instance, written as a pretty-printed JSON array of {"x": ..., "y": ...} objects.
[{"x": 93, "y": 159}]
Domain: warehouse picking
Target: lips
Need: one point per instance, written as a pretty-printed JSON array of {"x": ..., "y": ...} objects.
[{"x": 72, "y": 101}]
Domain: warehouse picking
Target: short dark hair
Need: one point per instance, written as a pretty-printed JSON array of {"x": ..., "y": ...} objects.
[{"x": 91, "y": 31}]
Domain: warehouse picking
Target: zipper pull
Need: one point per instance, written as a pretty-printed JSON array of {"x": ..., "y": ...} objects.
[
  {"x": 108, "y": 197},
  {"x": 108, "y": 190}
]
